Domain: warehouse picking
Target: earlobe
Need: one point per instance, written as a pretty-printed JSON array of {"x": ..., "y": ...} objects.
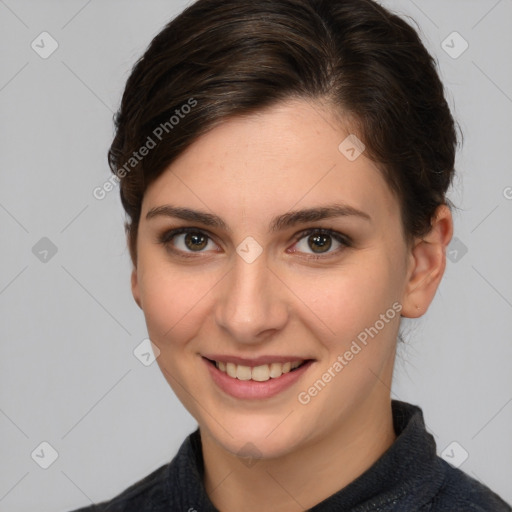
[{"x": 428, "y": 262}]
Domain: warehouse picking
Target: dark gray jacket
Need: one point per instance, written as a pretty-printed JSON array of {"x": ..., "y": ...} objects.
[{"x": 408, "y": 477}]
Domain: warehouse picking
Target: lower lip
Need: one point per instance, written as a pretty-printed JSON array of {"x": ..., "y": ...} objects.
[{"x": 251, "y": 389}]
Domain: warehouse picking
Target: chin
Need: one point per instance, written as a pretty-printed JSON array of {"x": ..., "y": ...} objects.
[{"x": 265, "y": 438}]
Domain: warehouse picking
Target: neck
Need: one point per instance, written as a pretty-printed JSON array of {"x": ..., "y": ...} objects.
[{"x": 306, "y": 476}]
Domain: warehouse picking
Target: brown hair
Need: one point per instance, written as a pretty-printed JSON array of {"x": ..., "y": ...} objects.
[{"x": 221, "y": 58}]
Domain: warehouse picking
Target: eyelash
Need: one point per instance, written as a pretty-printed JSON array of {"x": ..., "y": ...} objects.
[{"x": 167, "y": 237}]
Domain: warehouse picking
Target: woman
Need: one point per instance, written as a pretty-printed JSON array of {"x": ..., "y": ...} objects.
[{"x": 284, "y": 167}]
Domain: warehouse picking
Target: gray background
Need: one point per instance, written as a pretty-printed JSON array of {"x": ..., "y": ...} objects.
[{"x": 69, "y": 325}]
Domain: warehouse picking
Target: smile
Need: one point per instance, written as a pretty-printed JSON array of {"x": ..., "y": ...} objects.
[
  {"x": 258, "y": 382},
  {"x": 260, "y": 373}
]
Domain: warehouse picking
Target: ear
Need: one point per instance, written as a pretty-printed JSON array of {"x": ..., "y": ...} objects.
[
  {"x": 135, "y": 287},
  {"x": 134, "y": 276},
  {"x": 427, "y": 264}
]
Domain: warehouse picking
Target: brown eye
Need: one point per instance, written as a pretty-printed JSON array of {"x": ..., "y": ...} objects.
[
  {"x": 187, "y": 240},
  {"x": 196, "y": 241},
  {"x": 320, "y": 243}
]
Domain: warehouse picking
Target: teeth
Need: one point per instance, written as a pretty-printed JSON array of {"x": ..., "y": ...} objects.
[
  {"x": 243, "y": 372},
  {"x": 258, "y": 373}
]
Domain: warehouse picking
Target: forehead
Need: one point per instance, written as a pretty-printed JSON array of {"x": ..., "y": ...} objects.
[{"x": 292, "y": 155}]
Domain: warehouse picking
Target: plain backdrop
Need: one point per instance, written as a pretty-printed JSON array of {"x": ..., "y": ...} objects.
[{"x": 68, "y": 374}]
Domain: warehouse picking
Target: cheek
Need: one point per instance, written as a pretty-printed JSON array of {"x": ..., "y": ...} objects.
[
  {"x": 357, "y": 314},
  {"x": 345, "y": 301},
  {"x": 174, "y": 303}
]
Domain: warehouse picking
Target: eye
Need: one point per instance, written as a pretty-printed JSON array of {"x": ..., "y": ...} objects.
[
  {"x": 315, "y": 242},
  {"x": 187, "y": 240},
  {"x": 321, "y": 241}
]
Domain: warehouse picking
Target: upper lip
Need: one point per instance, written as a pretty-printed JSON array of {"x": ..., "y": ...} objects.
[{"x": 254, "y": 361}]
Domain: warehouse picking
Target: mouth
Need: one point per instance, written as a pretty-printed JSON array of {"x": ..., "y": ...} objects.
[
  {"x": 260, "y": 373},
  {"x": 256, "y": 382}
]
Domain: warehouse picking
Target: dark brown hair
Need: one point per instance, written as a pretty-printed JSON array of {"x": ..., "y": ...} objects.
[{"x": 222, "y": 58}]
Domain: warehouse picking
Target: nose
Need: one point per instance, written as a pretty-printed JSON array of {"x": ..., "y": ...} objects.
[{"x": 252, "y": 306}]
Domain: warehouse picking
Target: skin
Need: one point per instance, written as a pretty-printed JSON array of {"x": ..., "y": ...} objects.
[{"x": 247, "y": 171}]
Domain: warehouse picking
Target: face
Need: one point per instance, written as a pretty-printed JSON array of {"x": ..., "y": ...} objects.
[{"x": 265, "y": 240}]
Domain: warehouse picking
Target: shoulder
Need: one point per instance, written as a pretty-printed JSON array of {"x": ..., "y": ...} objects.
[
  {"x": 462, "y": 493},
  {"x": 168, "y": 487},
  {"x": 149, "y": 493}
]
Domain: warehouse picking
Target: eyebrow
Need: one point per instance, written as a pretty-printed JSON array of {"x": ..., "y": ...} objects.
[{"x": 278, "y": 223}]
